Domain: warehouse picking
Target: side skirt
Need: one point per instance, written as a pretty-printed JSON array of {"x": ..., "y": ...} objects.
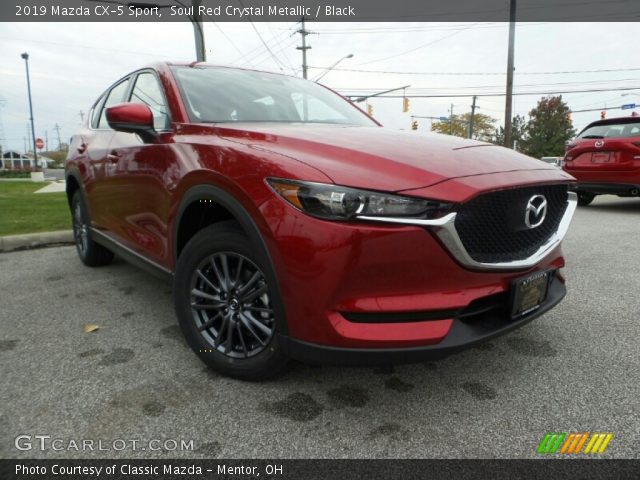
[{"x": 132, "y": 257}]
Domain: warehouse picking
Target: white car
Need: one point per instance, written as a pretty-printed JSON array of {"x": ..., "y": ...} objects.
[{"x": 556, "y": 161}]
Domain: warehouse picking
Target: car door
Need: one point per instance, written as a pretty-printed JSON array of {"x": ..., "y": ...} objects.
[
  {"x": 142, "y": 175},
  {"x": 94, "y": 142}
]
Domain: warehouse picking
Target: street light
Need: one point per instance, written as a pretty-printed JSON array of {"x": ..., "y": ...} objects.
[
  {"x": 25, "y": 56},
  {"x": 332, "y": 67}
]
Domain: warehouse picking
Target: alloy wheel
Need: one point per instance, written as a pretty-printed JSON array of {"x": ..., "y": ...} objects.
[{"x": 230, "y": 305}]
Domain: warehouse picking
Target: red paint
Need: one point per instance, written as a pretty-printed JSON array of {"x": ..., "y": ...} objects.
[
  {"x": 608, "y": 161},
  {"x": 134, "y": 191},
  {"x": 130, "y": 113}
]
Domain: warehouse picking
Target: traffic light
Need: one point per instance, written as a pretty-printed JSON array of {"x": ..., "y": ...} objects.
[
  {"x": 603, "y": 115},
  {"x": 370, "y": 109},
  {"x": 414, "y": 125},
  {"x": 405, "y": 104}
]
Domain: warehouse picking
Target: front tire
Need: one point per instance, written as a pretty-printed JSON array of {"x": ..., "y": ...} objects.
[
  {"x": 585, "y": 199},
  {"x": 227, "y": 304},
  {"x": 91, "y": 253}
]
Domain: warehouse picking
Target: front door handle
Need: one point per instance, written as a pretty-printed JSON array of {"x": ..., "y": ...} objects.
[{"x": 113, "y": 157}]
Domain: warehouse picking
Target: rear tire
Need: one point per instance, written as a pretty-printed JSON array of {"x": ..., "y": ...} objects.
[
  {"x": 91, "y": 253},
  {"x": 585, "y": 199},
  {"x": 227, "y": 304}
]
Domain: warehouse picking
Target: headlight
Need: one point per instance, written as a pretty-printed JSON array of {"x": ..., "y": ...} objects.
[{"x": 333, "y": 202}]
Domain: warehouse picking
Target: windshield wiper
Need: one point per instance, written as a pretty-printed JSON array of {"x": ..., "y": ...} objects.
[{"x": 593, "y": 136}]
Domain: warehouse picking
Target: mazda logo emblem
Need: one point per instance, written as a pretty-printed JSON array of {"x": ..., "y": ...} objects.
[
  {"x": 599, "y": 143},
  {"x": 536, "y": 211}
]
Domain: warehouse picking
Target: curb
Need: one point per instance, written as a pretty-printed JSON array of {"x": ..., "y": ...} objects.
[{"x": 35, "y": 240}]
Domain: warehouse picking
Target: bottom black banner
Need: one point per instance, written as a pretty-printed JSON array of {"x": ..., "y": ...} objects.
[{"x": 318, "y": 469}]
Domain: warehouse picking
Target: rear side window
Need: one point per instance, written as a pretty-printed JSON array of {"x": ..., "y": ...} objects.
[
  {"x": 115, "y": 96},
  {"x": 613, "y": 130},
  {"x": 147, "y": 90}
]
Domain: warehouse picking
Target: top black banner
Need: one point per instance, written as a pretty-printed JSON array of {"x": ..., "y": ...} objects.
[{"x": 319, "y": 10}]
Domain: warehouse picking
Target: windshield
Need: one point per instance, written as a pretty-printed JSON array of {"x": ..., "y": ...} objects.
[
  {"x": 222, "y": 95},
  {"x": 612, "y": 130}
]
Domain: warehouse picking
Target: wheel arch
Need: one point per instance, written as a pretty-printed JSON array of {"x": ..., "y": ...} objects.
[
  {"x": 226, "y": 207},
  {"x": 73, "y": 184}
]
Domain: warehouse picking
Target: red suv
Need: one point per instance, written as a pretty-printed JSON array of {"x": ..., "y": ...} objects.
[
  {"x": 605, "y": 158},
  {"x": 293, "y": 226}
]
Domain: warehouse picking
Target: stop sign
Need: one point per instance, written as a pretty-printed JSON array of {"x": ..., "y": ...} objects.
[{"x": 39, "y": 143}]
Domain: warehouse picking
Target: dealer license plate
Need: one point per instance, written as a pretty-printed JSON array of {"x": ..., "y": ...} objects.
[
  {"x": 603, "y": 157},
  {"x": 528, "y": 293}
]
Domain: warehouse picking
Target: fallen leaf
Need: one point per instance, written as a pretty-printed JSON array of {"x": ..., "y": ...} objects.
[{"x": 89, "y": 327}]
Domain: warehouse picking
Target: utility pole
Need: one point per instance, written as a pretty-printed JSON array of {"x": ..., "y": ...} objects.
[
  {"x": 451, "y": 120},
  {"x": 508, "y": 108},
  {"x": 473, "y": 112},
  {"x": 25, "y": 57},
  {"x": 303, "y": 33},
  {"x": 57, "y": 129},
  {"x": 46, "y": 139},
  {"x": 198, "y": 32}
]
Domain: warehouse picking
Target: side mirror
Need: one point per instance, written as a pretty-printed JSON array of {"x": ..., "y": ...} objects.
[{"x": 133, "y": 118}]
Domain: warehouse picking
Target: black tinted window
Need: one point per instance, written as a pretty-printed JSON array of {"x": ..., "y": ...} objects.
[
  {"x": 219, "y": 95},
  {"x": 116, "y": 95},
  {"x": 147, "y": 90}
]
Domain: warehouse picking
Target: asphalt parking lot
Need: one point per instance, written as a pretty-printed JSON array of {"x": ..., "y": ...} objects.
[{"x": 573, "y": 370}]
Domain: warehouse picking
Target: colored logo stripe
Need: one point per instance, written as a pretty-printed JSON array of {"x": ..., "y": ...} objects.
[
  {"x": 598, "y": 442},
  {"x": 573, "y": 443},
  {"x": 550, "y": 442}
]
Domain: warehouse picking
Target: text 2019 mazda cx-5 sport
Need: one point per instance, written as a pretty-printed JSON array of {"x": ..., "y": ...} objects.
[{"x": 294, "y": 226}]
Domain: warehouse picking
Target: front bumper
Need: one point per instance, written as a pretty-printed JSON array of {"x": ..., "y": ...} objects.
[{"x": 465, "y": 332}]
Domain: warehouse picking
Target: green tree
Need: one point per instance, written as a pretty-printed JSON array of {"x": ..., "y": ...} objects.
[
  {"x": 518, "y": 132},
  {"x": 548, "y": 129},
  {"x": 483, "y": 126}
]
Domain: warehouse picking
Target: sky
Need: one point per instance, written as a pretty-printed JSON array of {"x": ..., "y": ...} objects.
[{"x": 71, "y": 64}]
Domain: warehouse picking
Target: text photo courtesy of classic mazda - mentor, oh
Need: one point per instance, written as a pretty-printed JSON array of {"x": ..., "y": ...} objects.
[{"x": 293, "y": 225}]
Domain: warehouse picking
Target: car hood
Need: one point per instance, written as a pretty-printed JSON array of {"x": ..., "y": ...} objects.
[{"x": 379, "y": 158}]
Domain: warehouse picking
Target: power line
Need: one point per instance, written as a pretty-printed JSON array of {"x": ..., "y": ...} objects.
[
  {"x": 278, "y": 62},
  {"x": 259, "y": 50},
  {"x": 282, "y": 50},
  {"x": 397, "y": 72},
  {"x": 463, "y": 95},
  {"x": 231, "y": 42},
  {"x": 475, "y": 88},
  {"x": 411, "y": 29},
  {"x": 418, "y": 47}
]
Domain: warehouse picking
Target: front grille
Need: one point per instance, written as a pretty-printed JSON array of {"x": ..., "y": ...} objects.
[{"x": 492, "y": 226}]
